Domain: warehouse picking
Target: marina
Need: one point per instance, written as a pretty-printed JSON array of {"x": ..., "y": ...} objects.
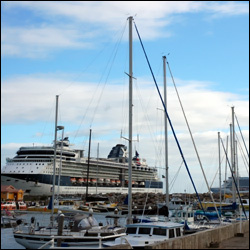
[
  {"x": 59, "y": 197},
  {"x": 8, "y": 241}
]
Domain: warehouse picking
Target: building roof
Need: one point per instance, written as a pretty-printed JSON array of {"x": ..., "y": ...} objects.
[{"x": 5, "y": 188}]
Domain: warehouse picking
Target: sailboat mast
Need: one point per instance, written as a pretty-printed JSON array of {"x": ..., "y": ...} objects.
[
  {"x": 54, "y": 165},
  {"x": 219, "y": 167},
  {"x": 166, "y": 130},
  {"x": 87, "y": 188},
  {"x": 233, "y": 155},
  {"x": 130, "y": 119},
  {"x": 225, "y": 171}
]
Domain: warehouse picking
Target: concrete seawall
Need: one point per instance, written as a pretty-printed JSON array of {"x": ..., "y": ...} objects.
[{"x": 203, "y": 239}]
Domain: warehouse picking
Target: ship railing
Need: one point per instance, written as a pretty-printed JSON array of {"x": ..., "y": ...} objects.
[{"x": 97, "y": 238}]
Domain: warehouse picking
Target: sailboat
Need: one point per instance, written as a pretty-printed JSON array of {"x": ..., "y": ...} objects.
[
  {"x": 232, "y": 185},
  {"x": 81, "y": 231}
]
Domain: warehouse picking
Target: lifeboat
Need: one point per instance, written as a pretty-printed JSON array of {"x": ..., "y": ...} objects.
[
  {"x": 142, "y": 184},
  {"x": 100, "y": 181},
  {"x": 107, "y": 181},
  {"x": 73, "y": 180},
  {"x": 80, "y": 180},
  {"x": 112, "y": 182},
  {"x": 118, "y": 182},
  {"x": 93, "y": 180}
]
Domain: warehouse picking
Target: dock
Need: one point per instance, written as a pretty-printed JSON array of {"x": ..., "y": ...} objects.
[
  {"x": 235, "y": 242},
  {"x": 232, "y": 236}
]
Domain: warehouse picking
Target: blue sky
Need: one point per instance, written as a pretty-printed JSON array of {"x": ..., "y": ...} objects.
[{"x": 79, "y": 51}]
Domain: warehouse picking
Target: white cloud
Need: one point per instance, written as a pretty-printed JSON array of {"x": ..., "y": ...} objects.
[
  {"x": 74, "y": 23},
  {"x": 31, "y": 98},
  {"x": 207, "y": 111},
  {"x": 202, "y": 106},
  {"x": 39, "y": 41}
]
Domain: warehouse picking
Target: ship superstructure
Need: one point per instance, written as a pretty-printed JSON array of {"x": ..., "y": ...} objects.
[
  {"x": 227, "y": 186},
  {"x": 32, "y": 171}
]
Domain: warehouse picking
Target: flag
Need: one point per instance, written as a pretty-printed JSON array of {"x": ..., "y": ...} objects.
[{"x": 163, "y": 176}]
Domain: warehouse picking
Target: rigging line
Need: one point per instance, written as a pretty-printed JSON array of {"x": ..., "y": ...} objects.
[
  {"x": 144, "y": 106},
  {"x": 47, "y": 122},
  {"x": 109, "y": 70},
  {"x": 146, "y": 117},
  {"x": 242, "y": 135},
  {"x": 233, "y": 178},
  {"x": 242, "y": 154},
  {"x": 216, "y": 172},
  {"x": 85, "y": 69},
  {"x": 94, "y": 93},
  {"x": 170, "y": 123},
  {"x": 197, "y": 154},
  {"x": 175, "y": 176},
  {"x": 125, "y": 93}
]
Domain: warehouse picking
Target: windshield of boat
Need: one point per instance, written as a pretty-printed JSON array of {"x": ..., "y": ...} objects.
[{"x": 131, "y": 230}]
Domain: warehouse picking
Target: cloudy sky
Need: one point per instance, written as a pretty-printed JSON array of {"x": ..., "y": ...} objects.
[{"x": 79, "y": 51}]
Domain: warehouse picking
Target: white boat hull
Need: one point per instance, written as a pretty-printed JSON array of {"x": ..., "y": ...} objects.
[{"x": 46, "y": 189}]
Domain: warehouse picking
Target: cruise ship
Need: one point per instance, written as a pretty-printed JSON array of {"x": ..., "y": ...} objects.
[
  {"x": 32, "y": 171},
  {"x": 227, "y": 186}
]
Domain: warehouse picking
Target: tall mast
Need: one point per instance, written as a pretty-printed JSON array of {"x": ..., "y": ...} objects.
[
  {"x": 219, "y": 167},
  {"x": 87, "y": 188},
  {"x": 166, "y": 130},
  {"x": 60, "y": 168},
  {"x": 233, "y": 155},
  {"x": 97, "y": 174},
  {"x": 225, "y": 171},
  {"x": 54, "y": 165},
  {"x": 130, "y": 119}
]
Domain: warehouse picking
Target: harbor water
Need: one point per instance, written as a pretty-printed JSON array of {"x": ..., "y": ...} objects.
[
  {"x": 8, "y": 241},
  {"x": 7, "y": 238}
]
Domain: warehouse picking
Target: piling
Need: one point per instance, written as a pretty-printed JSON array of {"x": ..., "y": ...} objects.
[{"x": 60, "y": 229}]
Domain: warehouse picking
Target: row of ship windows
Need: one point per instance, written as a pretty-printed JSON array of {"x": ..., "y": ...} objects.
[
  {"x": 30, "y": 171},
  {"x": 19, "y": 171},
  {"x": 26, "y": 164}
]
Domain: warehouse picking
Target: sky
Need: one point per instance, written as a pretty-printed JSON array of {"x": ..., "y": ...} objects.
[{"x": 79, "y": 51}]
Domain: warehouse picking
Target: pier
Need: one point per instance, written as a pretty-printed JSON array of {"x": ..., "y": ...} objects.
[
  {"x": 232, "y": 236},
  {"x": 211, "y": 238}
]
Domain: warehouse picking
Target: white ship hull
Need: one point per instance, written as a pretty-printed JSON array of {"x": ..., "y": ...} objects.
[
  {"x": 32, "y": 170},
  {"x": 46, "y": 189}
]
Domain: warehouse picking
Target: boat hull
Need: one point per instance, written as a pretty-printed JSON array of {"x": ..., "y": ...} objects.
[
  {"x": 37, "y": 188},
  {"x": 30, "y": 241}
]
